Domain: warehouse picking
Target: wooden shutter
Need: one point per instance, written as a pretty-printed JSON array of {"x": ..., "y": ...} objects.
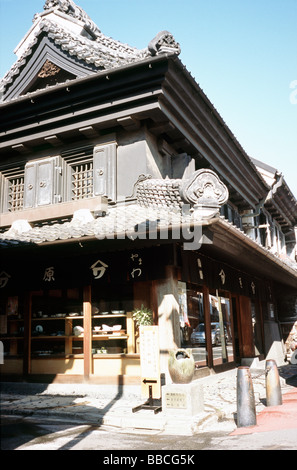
[
  {"x": 105, "y": 171},
  {"x": 42, "y": 182}
]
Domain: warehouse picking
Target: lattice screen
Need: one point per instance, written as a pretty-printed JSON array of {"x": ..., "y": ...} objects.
[{"x": 82, "y": 180}]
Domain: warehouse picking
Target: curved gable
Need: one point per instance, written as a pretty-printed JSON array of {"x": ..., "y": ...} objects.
[
  {"x": 64, "y": 37},
  {"x": 36, "y": 72}
]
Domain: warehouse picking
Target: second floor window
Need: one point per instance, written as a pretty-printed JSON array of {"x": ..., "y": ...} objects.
[
  {"x": 91, "y": 171},
  {"x": 16, "y": 193},
  {"x": 12, "y": 190},
  {"x": 82, "y": 181},
  {"x": 77, "y": 174}
]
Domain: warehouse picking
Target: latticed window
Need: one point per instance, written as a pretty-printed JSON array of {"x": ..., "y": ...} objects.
[
  {"x": 15, "y": 193},
  {"x": 80, "y": 169},
  {"x": 12, "y": 193},
  {"x": 82, "y": 180},
  {"x": 79, "y": 173}
]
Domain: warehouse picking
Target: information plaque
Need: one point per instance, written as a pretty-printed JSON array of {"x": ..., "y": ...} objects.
[
  {"x": 176, "y": 400},
  {"x": 150, "y": 362}
]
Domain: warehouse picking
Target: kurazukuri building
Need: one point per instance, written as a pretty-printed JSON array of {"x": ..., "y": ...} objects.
[{"x": 121, "y": 186}]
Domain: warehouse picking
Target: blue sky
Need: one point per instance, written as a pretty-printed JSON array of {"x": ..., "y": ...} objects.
[{"x": 243, "y": 54}]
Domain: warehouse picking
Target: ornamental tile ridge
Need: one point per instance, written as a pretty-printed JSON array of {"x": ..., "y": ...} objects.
[
  {"x": 104, "y": 53},
  {"x": 102, "y": 42},
  {"x": 203, "y": 193},
  {"x": 163, "y": 42},
  {"x": 101, "y": 51},
  {"x": 69, "y": 8}
]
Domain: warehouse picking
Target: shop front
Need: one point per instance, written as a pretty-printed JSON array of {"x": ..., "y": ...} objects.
[
  {"x": 221, "y": 311},
  {"x": 72, "y": 316},
  {"x": 69, "y": 318}
]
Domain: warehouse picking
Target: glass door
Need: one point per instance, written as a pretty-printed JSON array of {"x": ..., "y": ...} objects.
[
  {"x": 192, "y": 326},
  {"x": 221, "y": 322}
]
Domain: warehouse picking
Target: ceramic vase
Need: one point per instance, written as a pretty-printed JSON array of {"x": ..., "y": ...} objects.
[{"x": 181, "y": 366}]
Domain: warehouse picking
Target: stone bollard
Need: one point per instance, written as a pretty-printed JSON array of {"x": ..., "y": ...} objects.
[
  {"x": 246, "y": 410},
  {"x": 273, "y": 388}
]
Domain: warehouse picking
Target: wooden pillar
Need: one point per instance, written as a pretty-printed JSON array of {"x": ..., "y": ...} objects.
[
  {"x": 260, "y": 319},
  {"x": 246, "y": 335},
  {"x": 27, "y": 333},
  {"x": 87, "y": 310},
  {"x": 207, "y": 321},
  {"x": 131, "y": 334}
]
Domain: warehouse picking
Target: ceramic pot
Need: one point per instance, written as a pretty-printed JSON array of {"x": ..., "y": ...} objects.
[{"x": 181, "y": 366}]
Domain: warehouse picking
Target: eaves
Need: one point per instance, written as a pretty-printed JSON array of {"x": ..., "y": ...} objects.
[
  {"x": 88, "y": 80},
  {"x": 243, "y": 250}
]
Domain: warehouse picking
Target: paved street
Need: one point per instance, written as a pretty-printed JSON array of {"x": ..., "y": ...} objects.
[
  {"x": 103, "y": 420},
  {"x": 19, "y": 433}
]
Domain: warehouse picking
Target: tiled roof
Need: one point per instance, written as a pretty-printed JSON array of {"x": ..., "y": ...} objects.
[
  {"x": 129, "y": 222},
  {"x": 159, "y": 205},
  {"x": 104, "y": 53},
  {"x": 120, "y": 220},
  {"x": 87, "y": 44}
]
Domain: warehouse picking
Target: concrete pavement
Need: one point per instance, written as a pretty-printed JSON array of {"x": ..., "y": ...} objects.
[{"x": 112, "y": 406}]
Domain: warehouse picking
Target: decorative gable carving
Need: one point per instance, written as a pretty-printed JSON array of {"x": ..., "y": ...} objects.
[
  {"x": 47, "y": 65},
  {"x": 48, "y": 70}
]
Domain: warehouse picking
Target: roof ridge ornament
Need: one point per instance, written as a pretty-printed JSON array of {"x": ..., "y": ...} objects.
[
  {"x": 70, "y": 8},
  {"x": 202, "y": 194},
  {"x": 164, "y": 42},
  {"x": 205, "y": 192}
]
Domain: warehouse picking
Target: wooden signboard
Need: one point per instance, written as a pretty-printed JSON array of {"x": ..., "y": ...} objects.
[{"x": 150, "y": 362}]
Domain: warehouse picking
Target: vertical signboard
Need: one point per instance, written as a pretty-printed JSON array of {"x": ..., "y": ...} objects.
[{"x": 150, "y": 362}]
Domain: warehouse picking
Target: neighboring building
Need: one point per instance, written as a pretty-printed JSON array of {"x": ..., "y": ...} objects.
[{"x": 122, "y": 186}]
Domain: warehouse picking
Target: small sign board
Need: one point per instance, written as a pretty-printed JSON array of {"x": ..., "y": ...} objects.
[
  {"x": 150, "y": 362},
  {"x": 176, "y": 400}
]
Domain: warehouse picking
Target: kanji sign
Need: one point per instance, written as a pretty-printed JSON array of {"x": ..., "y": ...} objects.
[{"x": 150, "y": 360}]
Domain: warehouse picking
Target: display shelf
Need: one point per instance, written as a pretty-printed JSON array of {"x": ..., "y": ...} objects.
[
  {"x": 109, "y": 333},
  {"x": 55, "y": 313},
  {"x": 12, "y": 333},
  {"x": 49, "y": 329}
]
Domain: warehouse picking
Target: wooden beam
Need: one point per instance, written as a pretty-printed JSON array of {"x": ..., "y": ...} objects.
[
  {"x": 27, "y": 333},
  {"x": 206, "y": 309}
]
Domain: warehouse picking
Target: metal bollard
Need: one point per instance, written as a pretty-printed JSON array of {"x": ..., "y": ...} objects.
[
  {"x": 273, "y": 388},
  {"x": 246, "y": 410}
]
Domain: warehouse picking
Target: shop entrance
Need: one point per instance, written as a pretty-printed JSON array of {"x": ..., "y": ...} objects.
[{"x": 206, "y": 325}]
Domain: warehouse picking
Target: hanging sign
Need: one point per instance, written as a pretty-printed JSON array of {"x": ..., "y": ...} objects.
[
  {"x": 4, "y": 279},
  {"x": 150, "y": 362}
]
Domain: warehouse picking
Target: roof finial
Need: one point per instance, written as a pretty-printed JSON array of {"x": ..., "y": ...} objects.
[
  {"x": 162, "y": 43},
  {"x": 71, "y": 9}
]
